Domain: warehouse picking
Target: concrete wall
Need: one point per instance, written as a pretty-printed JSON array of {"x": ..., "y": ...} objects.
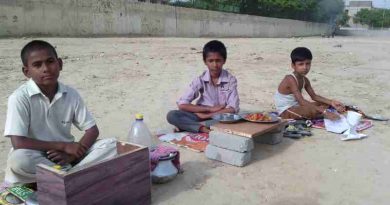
[
  {"x": 363, "y": 32},
  {"x": 125, "y": 17}
]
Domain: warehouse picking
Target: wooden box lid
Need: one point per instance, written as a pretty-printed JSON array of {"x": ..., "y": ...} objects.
[{"x": 247, "y": 129}]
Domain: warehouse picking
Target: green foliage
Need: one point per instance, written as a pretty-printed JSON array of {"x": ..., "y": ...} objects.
[
  {"x": 307, "y": 10},
  {"x": 232, "y": 6},
  {"x": 343, "y": 19},
  {"x": 374, "y": 18}
]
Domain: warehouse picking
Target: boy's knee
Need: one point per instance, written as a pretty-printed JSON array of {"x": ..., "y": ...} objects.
[
  {"x": 21, "y": 161},
  {"x": 172, "y": 116}
]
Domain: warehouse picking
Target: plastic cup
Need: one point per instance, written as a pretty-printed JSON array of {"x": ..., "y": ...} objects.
[{"x": 353, "y": 118}]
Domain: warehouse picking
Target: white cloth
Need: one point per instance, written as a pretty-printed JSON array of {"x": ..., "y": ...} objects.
[
  {"x": 284, "y": 102},
  {"x": 337, "y": 126},
  {"x": 357, "y": 136},
  {"x": 31, "y": 114},
  {"x": 99, "y": 151}
]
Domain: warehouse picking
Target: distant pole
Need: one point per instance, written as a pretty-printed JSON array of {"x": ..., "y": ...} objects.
[{"x": 383, "y": 17}]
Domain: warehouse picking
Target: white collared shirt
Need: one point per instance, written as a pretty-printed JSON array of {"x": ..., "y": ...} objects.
[{"x": 31, "y": 114}]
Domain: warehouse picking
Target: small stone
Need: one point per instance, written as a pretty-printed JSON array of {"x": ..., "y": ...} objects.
[{"x": 259, "y": 58}]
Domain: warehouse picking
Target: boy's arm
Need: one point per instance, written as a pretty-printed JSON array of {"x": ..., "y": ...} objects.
[
  {"x": 232, "y": 103},
  {"x": 86, "y": 141},
  {"x": 89, "y": 137},
  {"x": 233, "y": 100},
  {"x": 293, "y": 86},
  {"x": 71, "y": 148},
  {"x": 313, "y": 95},
  {"x": 194, "y": 108},
  {"x": 184, "y": 103},
  {"x": 334, "y": 103},
  {"x": 84, "y": 121},
  {"x": 205, "y": 116}
]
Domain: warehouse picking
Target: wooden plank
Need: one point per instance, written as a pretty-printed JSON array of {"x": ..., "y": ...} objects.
[
  {"x": 132, "y": 169},
  {"x": 123, "y": 147},
  {"x": 127, "y": 187},
  {"x": 51, "y": 185},
  {"x": 247, "y": 129}
]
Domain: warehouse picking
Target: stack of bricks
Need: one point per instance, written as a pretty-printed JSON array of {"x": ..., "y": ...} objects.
[{"x": 237, "y": 150}]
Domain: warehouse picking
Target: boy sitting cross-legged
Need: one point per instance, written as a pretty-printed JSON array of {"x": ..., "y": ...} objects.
[
  {"x": 216, "y": 89},
  {"x": 289, "y": 101},
  {"x": 40, "y": 114}
]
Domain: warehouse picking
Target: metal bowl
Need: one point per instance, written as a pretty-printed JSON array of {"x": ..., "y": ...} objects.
[{"x": 227, "y": 118}]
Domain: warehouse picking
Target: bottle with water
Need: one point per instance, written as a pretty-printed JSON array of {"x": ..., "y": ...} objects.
[{"x": 140, "y": 134}]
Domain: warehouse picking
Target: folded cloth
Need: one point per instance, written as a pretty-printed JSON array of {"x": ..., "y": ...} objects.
[
  {"x": 4, "y": 186},
  {"x": 353, "y": 137},
  {"x": 363, "y": 125},
  {"x": 318, "y": 123},
  {"x": 162, "y": 151},
  {"x": 193, "y": 141},
  {"x": 102, "y": 149},
  {"x": 337, "y": 126}
]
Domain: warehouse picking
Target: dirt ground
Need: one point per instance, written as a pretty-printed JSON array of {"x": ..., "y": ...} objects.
[{"x": 119, "y": 77}]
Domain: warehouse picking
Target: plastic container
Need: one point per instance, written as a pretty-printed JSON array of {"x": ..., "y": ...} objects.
[
  {"x": 165, "y": 170},
  {"x": 140, "y": 134}
]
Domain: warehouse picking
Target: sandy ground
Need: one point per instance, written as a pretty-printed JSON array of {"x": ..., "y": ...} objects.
[{"x": 119, "y": 77}]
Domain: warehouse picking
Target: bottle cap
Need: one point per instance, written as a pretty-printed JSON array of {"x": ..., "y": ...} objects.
[
  {"x": 139, "y": 116},
  {"x": 57, "y": 167}
]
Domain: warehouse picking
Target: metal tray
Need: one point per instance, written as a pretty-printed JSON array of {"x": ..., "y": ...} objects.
[{"x": 227, "y": 118}]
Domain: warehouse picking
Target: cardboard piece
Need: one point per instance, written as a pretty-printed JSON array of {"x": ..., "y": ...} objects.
[{"x": 248, "y": 129}]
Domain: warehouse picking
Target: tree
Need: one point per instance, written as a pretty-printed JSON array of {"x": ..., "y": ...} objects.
[
  {"x": 328, "y": 11},
  {"x": 343, "y": 19},
  {"x": 307, "y": 10},
  {"x": 374, "y": 18}
]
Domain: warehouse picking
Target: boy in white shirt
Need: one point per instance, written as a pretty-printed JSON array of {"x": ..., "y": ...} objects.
[{"x": 39, "y": 117}]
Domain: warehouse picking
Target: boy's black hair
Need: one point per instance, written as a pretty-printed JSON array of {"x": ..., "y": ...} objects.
[
  {"x": 214, "y": 46},
  {"x": 300, "y": 54},
  {"x": 33, "y": 46}
]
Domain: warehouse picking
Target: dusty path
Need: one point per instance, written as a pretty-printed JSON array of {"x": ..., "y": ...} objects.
[{"x": 119, "y": 77}]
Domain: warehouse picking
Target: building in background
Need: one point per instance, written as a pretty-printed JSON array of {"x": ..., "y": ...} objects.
[{"x": 352, "y": 7}]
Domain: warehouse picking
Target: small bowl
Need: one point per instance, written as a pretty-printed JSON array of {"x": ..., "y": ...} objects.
[{"x": 227, "y": 118}]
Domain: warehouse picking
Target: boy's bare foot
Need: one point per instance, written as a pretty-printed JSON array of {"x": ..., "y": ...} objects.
[
  {"x": 176, "y": 129},
  {"x": 204, "y": 129}
]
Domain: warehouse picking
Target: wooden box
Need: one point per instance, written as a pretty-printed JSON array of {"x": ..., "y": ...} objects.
[{"x": 124, "y": 179}]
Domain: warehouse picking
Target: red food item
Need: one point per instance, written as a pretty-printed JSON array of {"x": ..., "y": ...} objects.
[{"x": 258, "y": 117}]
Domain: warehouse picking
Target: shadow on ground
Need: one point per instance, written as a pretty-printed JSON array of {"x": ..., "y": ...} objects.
[{"x": 199, "y": 174}]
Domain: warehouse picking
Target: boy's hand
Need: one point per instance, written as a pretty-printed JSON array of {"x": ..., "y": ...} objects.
[
  {"x": 338, "y": 106},
  {"x": 331, "y": 116},
  {"x": 216, "y": 108},
  {"x": 203, "y": 116},
  {"x": 76, "y": 149},
  {"x": 60, "y": 157}
]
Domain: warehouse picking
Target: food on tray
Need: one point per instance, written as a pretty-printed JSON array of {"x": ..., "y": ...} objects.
[{"x": 258, "y": 117}]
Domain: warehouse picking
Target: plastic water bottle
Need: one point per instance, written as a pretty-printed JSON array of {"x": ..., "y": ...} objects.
[{"x": 140, "y": 134}]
